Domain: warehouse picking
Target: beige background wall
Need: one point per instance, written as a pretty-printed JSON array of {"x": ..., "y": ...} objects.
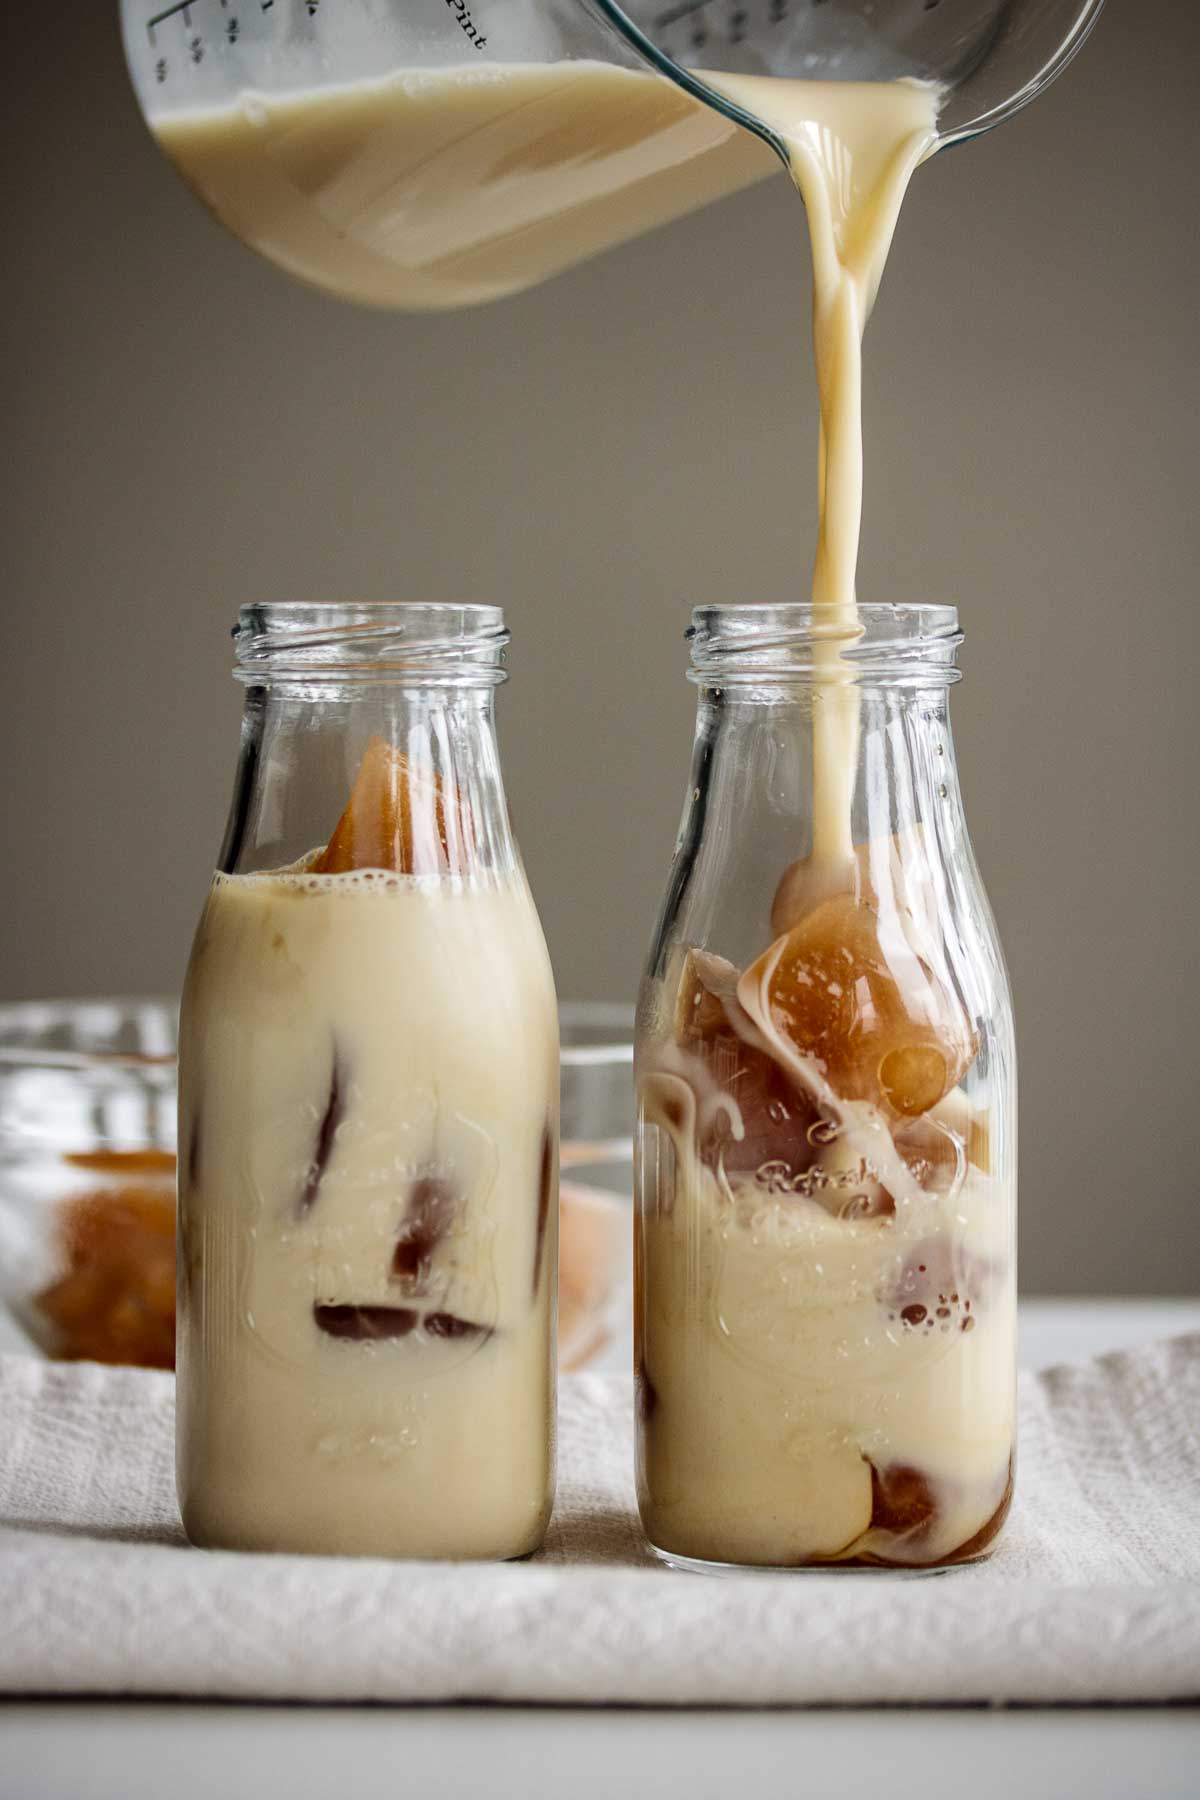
[{"x": 186, "y": 429}]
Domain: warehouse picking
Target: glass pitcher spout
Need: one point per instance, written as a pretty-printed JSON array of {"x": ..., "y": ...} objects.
[{"x": 985, "y": 58}]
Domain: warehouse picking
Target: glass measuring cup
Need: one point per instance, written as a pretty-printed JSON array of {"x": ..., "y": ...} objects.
[{"x": 432, "y": 153}]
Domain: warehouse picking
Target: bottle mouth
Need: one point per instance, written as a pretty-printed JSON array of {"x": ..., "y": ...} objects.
[
  {"x": 413, "y": 643},
  {"x": 916, "y": 645}
]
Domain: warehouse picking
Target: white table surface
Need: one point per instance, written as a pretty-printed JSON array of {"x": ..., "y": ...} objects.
[{"x": 108, "y": 1750}]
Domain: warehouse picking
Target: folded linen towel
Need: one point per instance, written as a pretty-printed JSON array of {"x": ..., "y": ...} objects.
[{"x": 1093, "y": 1594}]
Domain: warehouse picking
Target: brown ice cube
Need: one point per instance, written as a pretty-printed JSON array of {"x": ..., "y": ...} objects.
[
  {"x": 704, "y": 982},
  {"x": 896, "y": 870},
  {"x": 872, "y": 1016},
  {"x": 360, "y": 1323},
  {"x": 774, "y": 1116},
  {"x": 399, "y": 818},
  {"x": 902, "y": 1501},
  {"x": 114, "y": 1299},
  {"x": 326, "y": 1134},
  {"x": 373, "y": 1324},
  {"x": 904, "y": 1504},
  {"x": 975, "y": 1546},
  {"x": 451, "y": 1325},
  {"x": 547, "y": 1185},
  {"x": 432, "y": 1205}
]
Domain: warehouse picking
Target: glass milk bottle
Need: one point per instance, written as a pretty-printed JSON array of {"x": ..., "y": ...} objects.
[
  {"x": 368, "y": 1119},
  {"x": 826, "y": 1178}
]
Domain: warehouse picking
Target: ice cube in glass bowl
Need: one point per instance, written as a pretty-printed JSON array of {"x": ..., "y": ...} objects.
[{"x": 87, "y": 1176}]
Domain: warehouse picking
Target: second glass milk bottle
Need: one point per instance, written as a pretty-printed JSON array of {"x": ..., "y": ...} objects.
[
  {"x": 368, "y": 1111},
  {"x": 825, "y": 1302}
]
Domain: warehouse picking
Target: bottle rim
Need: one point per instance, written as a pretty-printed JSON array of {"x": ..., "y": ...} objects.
[
  {"x": 407, "y": 642},
  {"x": 902, "y": 643}
]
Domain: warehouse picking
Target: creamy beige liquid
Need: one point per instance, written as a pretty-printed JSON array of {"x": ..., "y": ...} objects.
[
  {"x": 783, "y": 1373},
  {"x": 443, "y": 187},
  {"x": 366, "y": 1210},
  {"x": 826, "y": 1328},
  {"x": 853, "y": 147}
]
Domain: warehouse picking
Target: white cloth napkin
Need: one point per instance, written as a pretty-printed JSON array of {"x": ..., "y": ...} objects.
[{"x": 1093, "y": 1595}]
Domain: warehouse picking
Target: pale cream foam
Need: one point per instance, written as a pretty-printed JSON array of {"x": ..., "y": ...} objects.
[{"x": 297, "y": 878}]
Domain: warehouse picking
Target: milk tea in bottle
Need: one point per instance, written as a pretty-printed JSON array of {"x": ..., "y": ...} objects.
[
  {"x": 826, "y": 1174},
  {"x": 368, "y": 1112}
]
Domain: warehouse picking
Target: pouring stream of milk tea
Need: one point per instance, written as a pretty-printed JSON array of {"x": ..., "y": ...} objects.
[{"x": 852, "y": 148}]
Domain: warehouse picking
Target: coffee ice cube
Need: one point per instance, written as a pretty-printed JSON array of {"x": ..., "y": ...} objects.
[
  {"x": 706, "y": 984},
  {"x": 360, "y": 1324},
  {"x": 114, "y": 1298},
  {"x": 771, "y": 1118},
  {"x": 902, "y": 1501},
  {"x": 432, "y": 1206},
  {"x": 398, "y": 818},
  {"x": 852, "y": 996}
]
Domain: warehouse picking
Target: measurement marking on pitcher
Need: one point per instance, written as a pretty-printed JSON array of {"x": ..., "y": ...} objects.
[
  {"x": 196, "y": 45},
  {"x": 184, "y": 7},
  {"x": 737, "y": 20},
  {"x": 673, "y": 14}
]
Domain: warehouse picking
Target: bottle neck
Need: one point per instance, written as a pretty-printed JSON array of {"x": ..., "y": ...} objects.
[
  {"x": 837, "y": 725},
  {"x": 761, "y": 747},
  {"x": 368, "y": 741},
  {"x": 408, "y": 780}
]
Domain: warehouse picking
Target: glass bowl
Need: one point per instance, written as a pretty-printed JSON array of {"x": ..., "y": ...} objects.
[
  {"x": 87, "y": 1177},
  {"x": 595, "y": 1257},
  {"x": 87, "y": 1180}
]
